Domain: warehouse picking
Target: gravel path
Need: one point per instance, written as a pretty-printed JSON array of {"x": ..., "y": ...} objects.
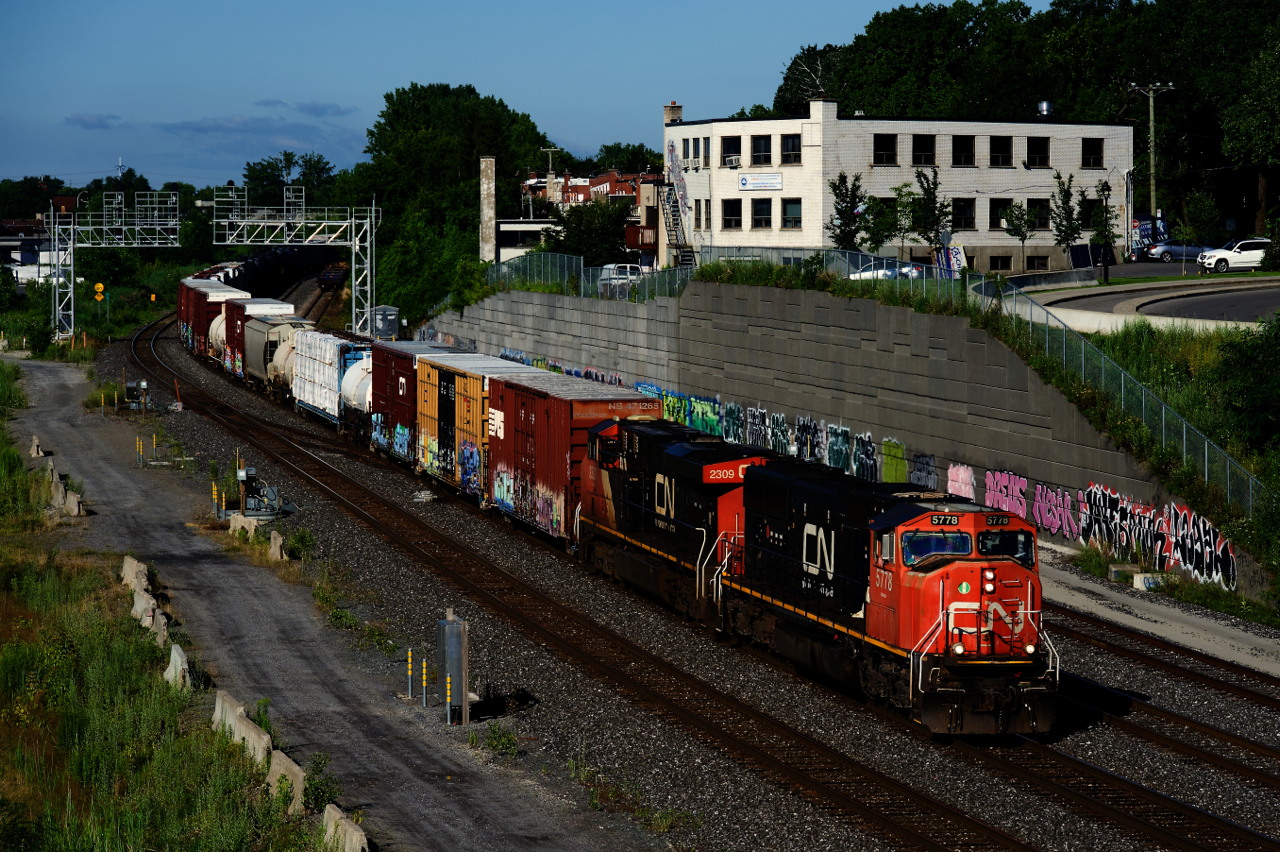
[{"x": 577, "y": 717}]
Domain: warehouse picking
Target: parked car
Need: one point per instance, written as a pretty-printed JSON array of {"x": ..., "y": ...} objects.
[
  {"x": 1237, "y": 254},
  {"x": 1167, "y": 251},
  {"x": 888, "y": 269},
  {"x": 616, "y": 279}
]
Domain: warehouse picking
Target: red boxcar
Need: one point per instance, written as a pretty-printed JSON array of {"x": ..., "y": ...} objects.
[
  {"x": 204, "y": 305},
  {"x": 538, "y": 438},
  {"x": 238, "y": 311},
  {"x": 393, "y": 417}
]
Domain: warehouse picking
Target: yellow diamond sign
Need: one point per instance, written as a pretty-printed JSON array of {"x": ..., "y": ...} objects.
[{"x": 98, "y": 297}]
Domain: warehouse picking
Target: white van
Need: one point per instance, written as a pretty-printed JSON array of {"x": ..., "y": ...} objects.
[{"x": 616, "y": 280}]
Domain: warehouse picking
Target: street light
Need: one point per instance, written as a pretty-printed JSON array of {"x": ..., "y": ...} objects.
[{"x": 1104, "y": 191}]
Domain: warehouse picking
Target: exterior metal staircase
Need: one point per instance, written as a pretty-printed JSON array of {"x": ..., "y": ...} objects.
[{"x": 681, "y": 249}]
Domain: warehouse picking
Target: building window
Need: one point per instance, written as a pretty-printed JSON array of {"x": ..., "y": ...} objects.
[
  {"x": 762, "y": 212},
  {"x": 922, "y": 149},
  {"x": 761, "y": 150},
  {"x": 1001, "y": 152},
  {"x": 731, "y": 152},
  {"x": 1001, "y": 262},
  {"x": 1091, "y": 154},
  {"x": 706, "y": 161},
  {"x": 1038, "y": 262},
  {"x": 731, "y": 214},
  {"x": 790, "y": 148},
  {"x": 697, "y": 214},
  {"x": 697, "y": 148},
  {"x": 791, "y": 213},
  {"x": 706, "y": 208},
  {"x": 1039, "y": 207},
  {"x": 962, "y": 215},
  {"x": 685, "y": 154},
  {"x": 1037, "y": 152},
  {"x": 962, "y": 151},
  {"x": 1090, "y": 211},
  {"x": 999, "y": 211},
  {"x": 884, "y": 147}
]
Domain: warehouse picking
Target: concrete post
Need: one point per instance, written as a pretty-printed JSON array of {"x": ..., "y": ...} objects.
[{"x": 488, "y": 210}]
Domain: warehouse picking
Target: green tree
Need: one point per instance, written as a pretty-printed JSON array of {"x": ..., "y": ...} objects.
[
  {"x": 849, "y": 221},
  {"x": 809, "y": 75},
  {"x": 930, "y": 209},
  {"x": 1103, "y": 233},
  {"x": 264, "y": 180},
  {"x": 756, "y": 111},
  {"x": 626, "y": 157},
  {"x": 889, "y": 219},
  {"x": 1184, "y": 231},
  {"x": 114, "y": 268},
  {"x": 595, "y": 231},
  {"x": 315, "y": 174},
  {"x": 1063, "y": 215},
  {"x": 1248, "y": 374},
  {"x": 1020, "y": 223},
  {"x": 8, "y": 289},
  {"x": 1251, "y": 125}
]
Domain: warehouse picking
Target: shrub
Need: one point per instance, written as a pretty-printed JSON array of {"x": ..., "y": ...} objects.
[
  {"x": 321, "y": 788},
  {"x": 300, "y": 543}
]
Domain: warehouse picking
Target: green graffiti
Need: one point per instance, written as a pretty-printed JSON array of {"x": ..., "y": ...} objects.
[
  {"x": 704, "y": 414},
  {"x": 779, "y": 437},
  {"x": 675, "y": 407},
  {"x": 733, "y": 423},
  {"x": 893, "y": 456}
]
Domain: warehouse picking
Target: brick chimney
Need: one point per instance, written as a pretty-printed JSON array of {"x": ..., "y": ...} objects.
[{"x": 672, "y": 113}]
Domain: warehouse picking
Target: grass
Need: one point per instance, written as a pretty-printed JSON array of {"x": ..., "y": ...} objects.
[
  {"x": 605, "y": 794},
  {"x": 96, "y": 750}
]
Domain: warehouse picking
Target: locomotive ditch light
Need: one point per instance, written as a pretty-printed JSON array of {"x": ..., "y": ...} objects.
[
  {"x": 989, "y": 575},
  {"x": 1030, "y": 649},
  {"x": 958, "y": 649},
  {"x": 989, "y": 588}
]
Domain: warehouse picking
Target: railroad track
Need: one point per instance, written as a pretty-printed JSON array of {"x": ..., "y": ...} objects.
[{"x": 834, "y": 780}]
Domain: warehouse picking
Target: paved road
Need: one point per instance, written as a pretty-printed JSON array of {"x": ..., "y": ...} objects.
[
  {"x": 1245, "y": 306},
  {"x": 420, "y": 788}
]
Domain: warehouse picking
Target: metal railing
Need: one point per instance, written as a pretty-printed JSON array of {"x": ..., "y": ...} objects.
[
  {"x": 1077, "y": 355},
  {"x": 538, "y": 267},
  {"x": 595, "y": 284}
]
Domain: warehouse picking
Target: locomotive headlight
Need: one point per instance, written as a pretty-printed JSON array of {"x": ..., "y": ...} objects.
[
  {"x": 989, "y": 575},
  {"x": 957, "y": 648},
  {"x": 1030, "y": 649},
  {"x": 989, "y": 588}
]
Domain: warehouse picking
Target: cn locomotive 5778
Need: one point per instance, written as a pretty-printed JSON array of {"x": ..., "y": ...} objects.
[{"x": 922, "y": 600}]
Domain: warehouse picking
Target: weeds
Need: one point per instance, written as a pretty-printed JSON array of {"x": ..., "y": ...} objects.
[
  {"x": 262, "y": 719},
  {"x": 321, "y": 788},
  {"x": 610, "y": 796},
  {"x": 300, "y": 543}
]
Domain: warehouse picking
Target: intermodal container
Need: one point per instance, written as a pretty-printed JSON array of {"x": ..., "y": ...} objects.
[
  {"x": 393, "y": 420},
  {"x": 205, "y": 303},
  {"x": 453, "y": 416},
  {"x": 538, "y": 438},
  {"x": 240, "y": 311}
]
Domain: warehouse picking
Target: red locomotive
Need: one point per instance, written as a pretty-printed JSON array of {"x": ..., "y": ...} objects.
[{"x": 924, "y": 601}]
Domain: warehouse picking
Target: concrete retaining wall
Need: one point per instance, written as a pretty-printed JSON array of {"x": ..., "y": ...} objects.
[
  {"x": 883, "y": 392},
  {"x": 342, "y": 833}
]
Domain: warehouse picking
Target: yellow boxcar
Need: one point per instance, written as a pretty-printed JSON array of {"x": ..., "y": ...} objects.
[{"x": 453, "y": 417}]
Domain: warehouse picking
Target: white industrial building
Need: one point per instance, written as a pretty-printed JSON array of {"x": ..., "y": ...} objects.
[{"x": 765, "y": 182}]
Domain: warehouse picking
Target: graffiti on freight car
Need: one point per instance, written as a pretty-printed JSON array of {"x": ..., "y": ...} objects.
[
  {"x": 732, "y": 423},
  {"x": 432, "y": 458},
  {"x": 779, "y": 436},
  {"x": 400, "y": 442},
  {"x": 960, "y": 481},
  {"x": 378, "y": 429},
  {"x": 469, "y": 465},
  {"x": 675, "y": 407},
  {"x": 1052, "y": 512},
  {"x": 757, "y": 430},
  {"x": 504, "y": 494},
  {"x": 893, "y": 460},
  {"x": 839, "y": 454},
  {"x": 549, "y": 512},
  {"x": 1175, "y": 537},
  {"x": 704, "y": 414},
  {"x": 811, "y": 439},
  {"x": 1007, "y": 492},
  {"x": 924, "y": 472},
  {"x": 865, "y": 464}
]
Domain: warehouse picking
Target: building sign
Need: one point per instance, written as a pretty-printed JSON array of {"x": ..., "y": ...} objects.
[{"x": 747, "y": 183}]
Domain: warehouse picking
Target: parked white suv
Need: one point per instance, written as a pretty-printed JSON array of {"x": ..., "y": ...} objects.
[{"x": 1237, "y": 254}]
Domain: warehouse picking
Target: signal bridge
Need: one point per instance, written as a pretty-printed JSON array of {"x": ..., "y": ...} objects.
[
  {"x": 152, "y": 223},
  {"x": 237, "y": 223}
]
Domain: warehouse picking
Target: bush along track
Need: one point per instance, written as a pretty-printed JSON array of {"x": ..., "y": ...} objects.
[
  {"x": 1258, "y": 534},
  {"x": 97, "y": 751}
]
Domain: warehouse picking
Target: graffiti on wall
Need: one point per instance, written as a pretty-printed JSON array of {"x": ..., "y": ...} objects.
[
  {"x": 649, "y": 390},
  {"x": 960, "y": 481},
  {"x": 704, "y": 414},
  {"x": 675, "y": 407},
  {"x": 779, "y": 435},
  {"x": 893, "y": 460},
  {"x": 1175, "y": 537},
  {"x": 1007, "y": 492},
  {"x": 924, "y": 474},
  {"x": 757, "y": 428},
  {"x": 811, "y": 443},
  {"x": 865, "y": 463},
  {"x": 1051, "y": 510},
  {"x": 732, "y": 423},
  {"x": 839, "y": 453}
]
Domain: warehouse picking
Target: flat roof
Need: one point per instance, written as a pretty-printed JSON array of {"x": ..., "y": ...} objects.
[
  {"x": 1048, "y": 121},
  {"x": 480, "y": 365},
  {"x": 572, "y": 387}
]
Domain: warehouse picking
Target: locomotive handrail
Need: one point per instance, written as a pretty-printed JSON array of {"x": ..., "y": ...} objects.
[
  {"x": 703, "y": 561},
  {"x": 717, "y": 578},
  {"x": 917, "y": 652}
]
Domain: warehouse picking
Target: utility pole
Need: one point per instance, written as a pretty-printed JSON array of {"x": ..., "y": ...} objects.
[{"x": 1151, "y": 92}]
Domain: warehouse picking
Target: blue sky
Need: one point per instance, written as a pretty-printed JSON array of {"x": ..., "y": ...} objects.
[{"x": 190, "y": 91}]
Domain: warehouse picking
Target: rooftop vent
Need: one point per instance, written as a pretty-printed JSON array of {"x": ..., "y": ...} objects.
[{"x": 1045, "y": 108}]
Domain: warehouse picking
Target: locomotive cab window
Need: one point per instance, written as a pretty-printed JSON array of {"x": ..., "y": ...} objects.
[
  {"x": 884, "y": 547},
  {"x": 918, "y": 545},
  {"x": 1018, "y": 545}
]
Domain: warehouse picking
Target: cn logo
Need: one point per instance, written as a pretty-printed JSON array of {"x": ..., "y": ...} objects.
[
  {"x": 824, "y": 551},
  {"x": 664, "y": 496},
  {"x": 402, "y": 386}
]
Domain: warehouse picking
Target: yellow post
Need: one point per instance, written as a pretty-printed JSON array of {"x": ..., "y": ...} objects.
[
  {"x": 448, "y": 699},
  {"x": 153, "y": 446},
  {"x": 424, "y": 681},
  {"x": 410, "y": 672}
]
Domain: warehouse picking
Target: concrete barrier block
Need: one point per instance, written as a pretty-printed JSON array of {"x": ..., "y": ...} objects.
[
  {"x": 160, "y": 628},
  {"x": 72, "y": 505},
  {"x": 1147, "y": 582},
  {"x": 53, "y": 472},
  {"x": 36, "y": 452},
  {"x": 1114, "y": 572},
  {"x": 256, "y": 740},
  {"x": 134, "y": 575},
  {"x": 57, "y": 494},
  {"x": 283, "y": 767},
  {"x": 225, "y": 710},
  {"x": 341, "y": 833},
  {"x": 144, "y": 608},
  {"x": 277, "y": 547},
  {"x": 178, "y": 673},
  {"x": 240, "y": 522}
]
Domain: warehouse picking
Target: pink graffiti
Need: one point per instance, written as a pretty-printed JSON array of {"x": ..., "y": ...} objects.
[
  {"x": 1052, "y": 511},
  {"x": 960, "y": 481},
  {"x": 1007, "y": 492}
]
